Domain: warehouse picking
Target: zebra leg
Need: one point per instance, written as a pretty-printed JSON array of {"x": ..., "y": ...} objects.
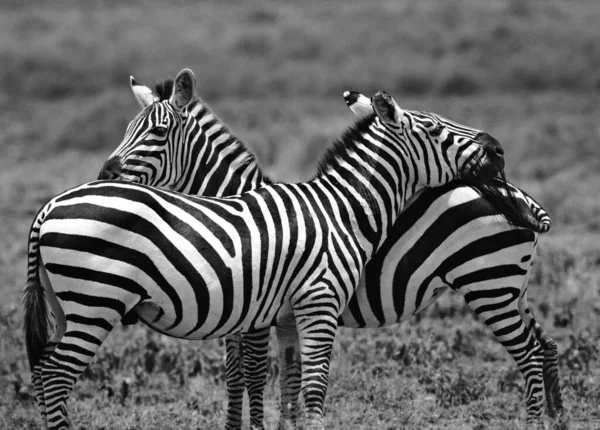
[
  {"x": 316, "y": 316},
  {"x": 289, "y": 375},
  {"x": 234, "y": 377},
  {"x": 551, "y": 379},
  {"x": 71, "y": 356},
  {"x": 38, "y": 389},
  {"x": 255, "y": 347},
  {"x": 37, "y": 382},
  {"x": 554, "y": 400},
  {"x": 498, "y": 309}
]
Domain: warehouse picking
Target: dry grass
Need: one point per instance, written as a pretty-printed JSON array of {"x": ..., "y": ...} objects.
[{"x": 525, "y": 71}]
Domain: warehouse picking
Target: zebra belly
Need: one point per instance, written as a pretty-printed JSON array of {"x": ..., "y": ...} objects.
[
  {"x": 388, "y": 314},
  {"x": 159, "y": 316},
  {"x": 154, "y": 316},
  {"x": 264, "y": 311}
]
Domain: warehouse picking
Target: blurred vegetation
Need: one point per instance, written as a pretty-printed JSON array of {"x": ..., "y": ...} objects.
[
  {"x": 84, "y": 52},
  {"x": 417, "y": 47},
  {"x": 526, "y": 71}
]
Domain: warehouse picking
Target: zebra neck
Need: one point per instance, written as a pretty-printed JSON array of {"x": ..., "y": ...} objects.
[
  {"x": 366, "y": 172},
  {"x": 217, "y": 163}
]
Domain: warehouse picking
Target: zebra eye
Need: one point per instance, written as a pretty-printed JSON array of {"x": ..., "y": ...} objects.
[
  {"x": 159, "y": 131},
  {"x": 437, "y": 130}
]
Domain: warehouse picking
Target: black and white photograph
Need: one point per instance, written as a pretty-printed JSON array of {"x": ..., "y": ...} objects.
[{"x": 277, "y": 215}]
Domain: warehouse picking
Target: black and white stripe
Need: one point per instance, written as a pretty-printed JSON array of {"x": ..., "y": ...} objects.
[
  {"x": 202, "y": 267},
  {"x": 451, "y": 237},
  {"x": 446, "y": 236}
]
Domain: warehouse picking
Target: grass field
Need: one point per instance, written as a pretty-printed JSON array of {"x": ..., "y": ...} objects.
[{"x": 525, "y": 71}]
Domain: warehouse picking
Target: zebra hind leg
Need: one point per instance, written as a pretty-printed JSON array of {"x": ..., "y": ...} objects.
[
  {"x": 37, "y": 382},
  {"x": 501, "y": 314},
  {"x": 290, "y": 376},
  {"x": 255, "y": 347},
  {"x": 554, "y": 402},
  {"x": 38, "y": 389},
  {"x": 71, "y": 356},
  {"x": 234, "y": 377},
  {"x": 552, "y": 380}
]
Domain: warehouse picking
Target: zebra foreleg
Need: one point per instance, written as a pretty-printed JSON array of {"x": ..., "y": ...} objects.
[
  {"x": 290, "y": 375},
  {"x": 255, "y": 347},
  {"x": 234, "y": 377},
  {"x": 498, "y": 309}
]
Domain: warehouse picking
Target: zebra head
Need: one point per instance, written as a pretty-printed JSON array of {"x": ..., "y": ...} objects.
[
  {"x": 489, "y": 181},
  {"x": 452, "y": 142},
  {"x": 153, "y": 137}
]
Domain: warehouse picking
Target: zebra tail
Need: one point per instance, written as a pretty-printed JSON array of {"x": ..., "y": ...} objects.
[
  {"x": 524, "y": 211},
  {"x": 539, "y": 220},
  {"x": 540, "y": 214},
  {"x": 34, "y": 303},
  {"x": 518, "y": 207}
]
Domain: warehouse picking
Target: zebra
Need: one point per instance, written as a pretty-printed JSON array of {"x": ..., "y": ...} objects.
[
  {"x": 434, "y": 208},
  {"x": 208, "y": 267},
  {"x": 452, "y": 234}
]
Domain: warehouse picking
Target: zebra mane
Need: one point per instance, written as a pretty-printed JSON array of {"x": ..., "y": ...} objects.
[
  {"x": 240, "y": 147},
  {"x": 493, "y": 188},
  {"x": 164, "y": 88},
  {"x": 346, "y": 144},
  {"x": 343, "y": 145}
]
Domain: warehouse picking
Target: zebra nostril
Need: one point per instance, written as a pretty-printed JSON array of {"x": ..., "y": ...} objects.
[{"x": 499, "y": 150}]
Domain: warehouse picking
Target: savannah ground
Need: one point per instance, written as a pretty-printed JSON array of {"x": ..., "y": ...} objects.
[{"x": 525, "y": 71}]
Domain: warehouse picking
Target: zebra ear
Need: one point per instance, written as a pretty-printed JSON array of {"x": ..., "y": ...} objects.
[
  {"x": 184, "y": 89},
  {"x": 143, "y": 95},
  {"x": 359, "y": 105},
  {"x": 386, "y": 108}
]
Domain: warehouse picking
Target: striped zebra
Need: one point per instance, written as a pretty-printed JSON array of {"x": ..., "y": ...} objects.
[
  {"x": 454, "y": 225},
  {"x": 208, "y": 267},
  {"x": 447, "y": 237}
]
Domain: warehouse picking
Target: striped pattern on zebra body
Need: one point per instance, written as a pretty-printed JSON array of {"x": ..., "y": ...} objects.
[
  {"x": 207, "y": 267},
  {"x": 467, "y": 239},
  {"x": 472, "y": 242},
  {"x": 456, "y": 223}
]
